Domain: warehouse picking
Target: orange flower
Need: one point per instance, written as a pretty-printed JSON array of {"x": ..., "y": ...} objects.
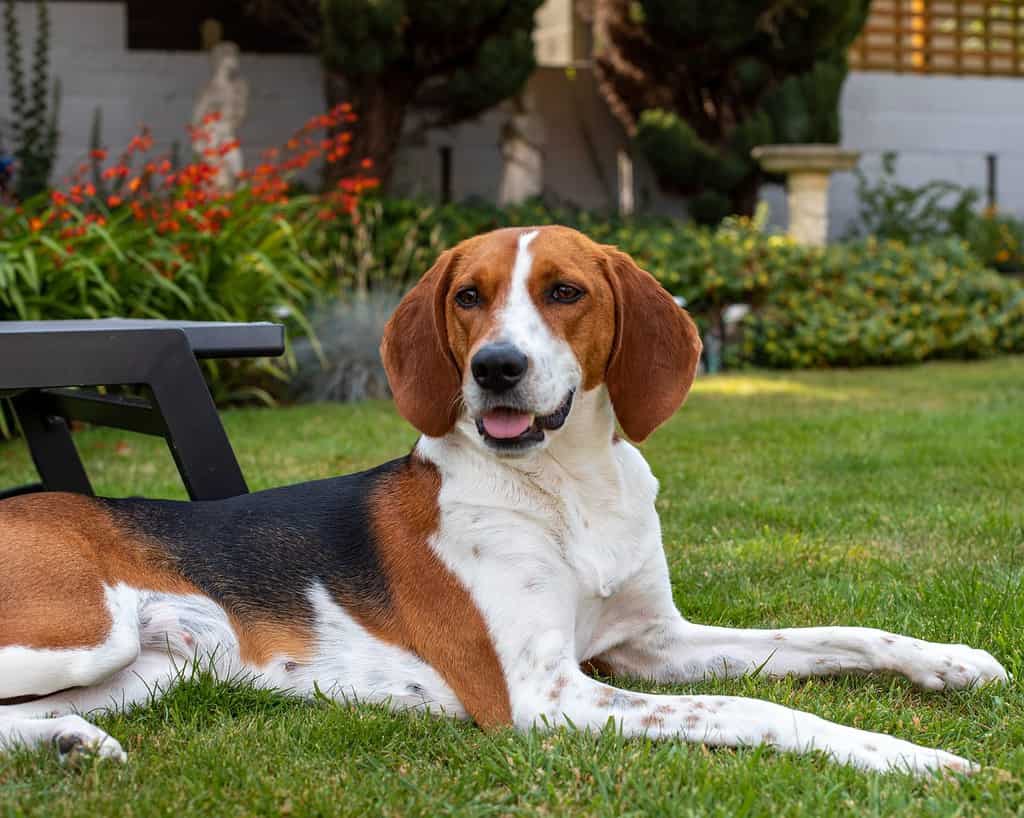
[
  {"x": 99, "y": 155},
  {"x": 35, "y": 224},
  {"x": 367, "y": 163},
  {"x": 113, "y": 201}
]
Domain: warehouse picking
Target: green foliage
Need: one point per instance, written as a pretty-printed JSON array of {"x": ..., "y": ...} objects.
[
  {"x": 890, "y": 210},
  {"x": 34, "y": 110},
  {"x": 855, "y": 304},
  {"x": 426, "y": 42},
  {"x": 97, "y": 153},
  {"x": 876, "y": 302},
  {"x": 699, "y": 83},
  {"x": 449, "y": 59},
  {"x": 998, "y": 240},
  {"x": 257, "y": 267}
]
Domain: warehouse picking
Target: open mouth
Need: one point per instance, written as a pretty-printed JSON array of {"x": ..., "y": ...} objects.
[{"x": 510, "y": 428}]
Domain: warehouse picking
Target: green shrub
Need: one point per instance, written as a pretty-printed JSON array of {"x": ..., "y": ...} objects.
[
  {"x": 872, "y": 302},
  {"x": 890, "y": 210},
  {"x": 34, "y": 106},
  {"x": 254, "y": 268},
  {"x": 998, "y": 240},
  {"x": 851, "y": 304}
]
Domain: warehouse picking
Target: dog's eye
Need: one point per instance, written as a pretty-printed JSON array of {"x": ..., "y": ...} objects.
[
  {"x": 467, "y": 297},
  {"x": 566, "y": 293}
]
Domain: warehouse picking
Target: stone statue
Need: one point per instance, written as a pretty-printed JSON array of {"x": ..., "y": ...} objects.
[
  {"x": 522, "y": 146},
  {"x": 218, "y": 115}
]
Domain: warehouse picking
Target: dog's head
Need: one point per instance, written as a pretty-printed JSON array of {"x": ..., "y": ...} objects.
[{"x": 507, "y": 329}]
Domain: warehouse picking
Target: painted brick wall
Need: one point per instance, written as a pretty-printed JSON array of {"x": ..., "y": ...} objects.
[{"x": 96, "y": 70}]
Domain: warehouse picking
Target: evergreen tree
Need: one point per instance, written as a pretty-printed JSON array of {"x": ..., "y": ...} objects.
[
  {"x": 449, "y": 59},
  {"x": 699, "y": 83}
]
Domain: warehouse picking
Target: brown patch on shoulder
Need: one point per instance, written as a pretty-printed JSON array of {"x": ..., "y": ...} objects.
[{"x": 431, "y": 612}]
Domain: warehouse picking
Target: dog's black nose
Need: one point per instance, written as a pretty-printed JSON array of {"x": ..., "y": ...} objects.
[{"x": 499, "y": 367}]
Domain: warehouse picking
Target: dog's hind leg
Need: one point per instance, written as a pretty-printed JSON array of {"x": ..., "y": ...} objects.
[
  {"x": 35, "y": 663},
  {"x": 84, "y": 657},
  {"x": 71, "y": 736}
]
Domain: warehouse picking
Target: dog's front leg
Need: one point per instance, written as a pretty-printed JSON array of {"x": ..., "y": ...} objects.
[
  {"x": 651, "y": 639},
  {"x": 555, "y": 692}
]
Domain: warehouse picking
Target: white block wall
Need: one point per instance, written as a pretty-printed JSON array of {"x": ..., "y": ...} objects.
[
  {"x": 89, "y": 55},
  {"x": 941, "y": 127}
]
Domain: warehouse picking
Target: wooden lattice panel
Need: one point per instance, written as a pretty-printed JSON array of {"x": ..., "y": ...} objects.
[{"x": 943, "y": 37}]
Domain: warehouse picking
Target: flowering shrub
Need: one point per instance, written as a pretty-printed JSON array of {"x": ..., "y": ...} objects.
[{"x": 138, "y": 237}]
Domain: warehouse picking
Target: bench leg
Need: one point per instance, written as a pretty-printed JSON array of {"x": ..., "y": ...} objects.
[
  {"x": 194, "y": 431},
  {"x": 49, "y": 441}
]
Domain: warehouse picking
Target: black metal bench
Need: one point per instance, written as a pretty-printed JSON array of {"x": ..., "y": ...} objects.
[{"x": 40, "y": 360}]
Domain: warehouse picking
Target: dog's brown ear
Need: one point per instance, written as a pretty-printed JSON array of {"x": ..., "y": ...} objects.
[
  {"x": 417, "y": 359},
  {"x": 655, "y": 352}
]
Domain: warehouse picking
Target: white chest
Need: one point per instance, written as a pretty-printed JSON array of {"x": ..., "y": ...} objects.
[{"x": 548, "y": 551}]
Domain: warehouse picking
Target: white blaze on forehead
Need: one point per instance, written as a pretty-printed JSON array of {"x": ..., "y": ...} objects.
[
  {"x": 553, "y": 369},
  {"x": 519, "y": 317}
]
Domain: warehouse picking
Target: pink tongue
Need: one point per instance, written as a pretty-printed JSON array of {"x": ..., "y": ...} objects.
[{"x": 503, "y": 424}]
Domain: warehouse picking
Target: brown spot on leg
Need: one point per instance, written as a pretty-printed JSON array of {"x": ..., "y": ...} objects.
[
  {"x": 560, "y": 684},
  {"x": 652, "y": 720},
  {"x": 605, "y": 697},
  {"x": 260, "y": 642},
  {"x": 58, "y": 552}
]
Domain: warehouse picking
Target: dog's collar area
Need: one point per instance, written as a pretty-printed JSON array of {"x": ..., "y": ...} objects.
[{"x": 532, "y": 434}]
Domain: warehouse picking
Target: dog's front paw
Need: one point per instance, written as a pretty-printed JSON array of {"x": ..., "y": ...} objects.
[
  {"x": 951, "y": 667},
  {"x": 884, "y": 754}
]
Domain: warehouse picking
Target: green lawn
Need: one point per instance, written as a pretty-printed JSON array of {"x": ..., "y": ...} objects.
[{"x": 892, "y": 498}]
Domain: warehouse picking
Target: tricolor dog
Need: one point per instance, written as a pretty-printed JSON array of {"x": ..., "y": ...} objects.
[{"x": 487, "y": 575}]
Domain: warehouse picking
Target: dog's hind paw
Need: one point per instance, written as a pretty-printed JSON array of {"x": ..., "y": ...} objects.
[{"x": 77, "y": 740}]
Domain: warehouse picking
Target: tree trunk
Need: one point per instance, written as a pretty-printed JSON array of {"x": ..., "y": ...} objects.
[
  {"x": 744, "y": 197},
  {"x": 379, "y": 102}
]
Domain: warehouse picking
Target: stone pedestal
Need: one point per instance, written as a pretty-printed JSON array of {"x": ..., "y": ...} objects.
[{"x": 807, "y": 169}]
